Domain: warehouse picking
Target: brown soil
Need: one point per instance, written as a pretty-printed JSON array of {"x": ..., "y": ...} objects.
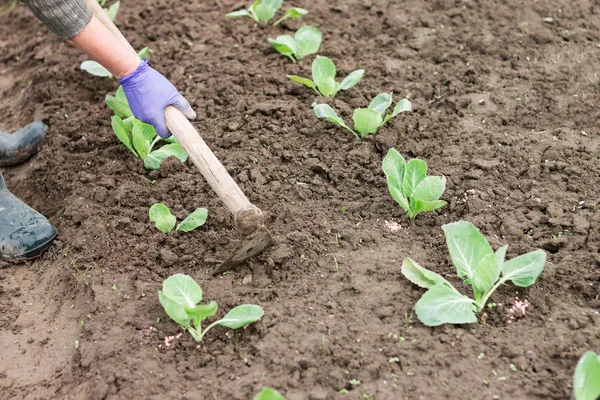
[{"x": 506, "y": 106}]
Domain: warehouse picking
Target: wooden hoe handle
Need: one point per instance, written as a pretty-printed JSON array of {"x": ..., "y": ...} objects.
[{"x": 248, "y": 217}]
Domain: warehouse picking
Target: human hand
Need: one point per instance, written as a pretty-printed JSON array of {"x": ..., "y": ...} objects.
[{"x": 149, "y": 93}]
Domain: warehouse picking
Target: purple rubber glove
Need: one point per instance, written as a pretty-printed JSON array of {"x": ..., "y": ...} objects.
[{"x": 149, "y": 93}]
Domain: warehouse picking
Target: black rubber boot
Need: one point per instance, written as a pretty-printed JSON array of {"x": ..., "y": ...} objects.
[
  {"x": 19, "y": 146},
  {"x": 24, "y": 233}
]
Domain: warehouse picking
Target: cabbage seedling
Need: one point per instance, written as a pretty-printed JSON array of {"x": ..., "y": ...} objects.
[
  {"x": 586, "y": 381},
  {"x": 366, "y": 120},
  {"x": 323, "y": 78},
  {"x": 94, "y": 68},
  {"x": 268, "y": 393},
  {"x": 165, "y": 221},
  {"x": 139, "y": 137},
  {"x": 162, "y": 217},
  {"x": 180, "y": 297},
  {"x": 483, "y": 269},
  {"x": 306, "y": 41},
  {"x": 259, "y": 11},
  {"x": 410, "y": 186},
  {"x": 263, "y": 11}
]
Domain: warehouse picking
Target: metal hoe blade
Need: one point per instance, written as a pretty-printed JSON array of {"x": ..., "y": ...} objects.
[{"x": 248, "y": 247}]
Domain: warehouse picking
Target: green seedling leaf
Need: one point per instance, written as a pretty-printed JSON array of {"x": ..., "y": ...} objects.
[
  {"x": 323, "y": 73},
  {"x": 323, "y": 67},
  {"x": 424, "y": 206},
  {"x": 366, "y": 121},
  {"x": 403, "y": 105},
  {"x": 586, "y": 381},
  {"x": 500, "y": 256},
  {"x": 269, "y": 394},
  {"x": 174, "y": 310},
  {"x": 381, "y": 103},
  {"x": 430, "y": 188},
  {"x": 200, "y": 312},
  {"x": 525, "y": 269},
  {"x": 467, "y": 247},
  {"x": 142, "y": 136},
  {"x": 237, "y": 14},
  {"x": 182, "y": 289},
  {"x": 170, "y": 139},
  {"x": 286, "y": 45},
  {"x": 303, "y": 81},
  {"x": 144, "y": 53},
  {"x": 94, "y": 68},
  {"x": 292, "y": 13},
  {"x": 113, "y": 10},
  {"x": 414, "y": 173},
  {"x": 274, "y": 4},
  {"x": 442, "y": 304},
  {"x": 119, "y": 107},
  {"x": 252, "y": 10},
  {"x": 427, "y": 193},
  {"x": 395, "y": 188},
  {"x": 351, "y": 80},
  {"x": 122, "y": 133},
  {"x": 129, "y": 123},
  {"x": 194, "y": 220},
  {"x": 394, "y": 165},
  {"x": 485, "y": 275},
  {"x": 421, "y": 276},
  {"x": 121, "y": 95},
  {"x": 264, "y": 12},
  {"x": 308, "y": 40},
  {"x": 155, "y": 158},
  {"x": 241, "y": 316},
  {"x": 165, "y": 221},
  {"x": 325, "y": 111}
]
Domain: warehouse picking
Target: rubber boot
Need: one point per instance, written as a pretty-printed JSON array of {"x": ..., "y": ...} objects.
[
  {"x": 19, "y": 146},
  {"x": 24, "y": 233}
]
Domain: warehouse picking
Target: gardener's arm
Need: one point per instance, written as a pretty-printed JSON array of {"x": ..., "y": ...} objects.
[{"x": 148, "y": 91}]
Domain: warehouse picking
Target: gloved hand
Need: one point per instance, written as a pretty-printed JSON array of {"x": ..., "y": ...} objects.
[{"x": 149, "y": 93}]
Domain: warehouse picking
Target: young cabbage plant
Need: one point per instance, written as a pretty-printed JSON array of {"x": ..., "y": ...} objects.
[
  {"x": 263, "y": 11},
  {"x": 259, "y": 11},
  {"x": 306, "y": 41},
  {"x": 366, "y": 120},
  {"x": 586, "y": 381},
  {"x": 323, "y": 78},
  {"x": 410, "y": 186},
  {"x": 139, "y": 137},
  {"x": 268, "y": 393},
  {"x": 180, "y": 297},
  {"x": 94, "y": 68},
  {"x": 482, "y": 268},
  {"x": 165, "y": 221}
]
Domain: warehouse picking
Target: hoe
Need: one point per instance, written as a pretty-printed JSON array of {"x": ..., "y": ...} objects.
[{"x": 249, "y": 219}]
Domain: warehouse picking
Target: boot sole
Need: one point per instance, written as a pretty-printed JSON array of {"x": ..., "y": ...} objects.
[{"x": 31, "y": 254}]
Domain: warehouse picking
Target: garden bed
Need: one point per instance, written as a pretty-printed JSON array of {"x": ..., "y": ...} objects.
[{"x": 505, "y": 106}]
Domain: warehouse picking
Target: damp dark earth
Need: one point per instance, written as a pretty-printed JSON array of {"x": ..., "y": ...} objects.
[{"x": 506, "y": 107}]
